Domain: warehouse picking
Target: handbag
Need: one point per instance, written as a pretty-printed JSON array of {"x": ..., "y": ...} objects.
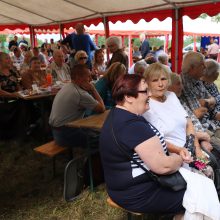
[{"x": 174, "y": 181}]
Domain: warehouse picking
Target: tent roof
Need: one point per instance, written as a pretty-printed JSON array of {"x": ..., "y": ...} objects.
[{"x": 21, "y": 13}]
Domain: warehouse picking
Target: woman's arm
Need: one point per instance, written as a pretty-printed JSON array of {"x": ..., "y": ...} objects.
[
  {"x": 182, "y": 151},
  {"x": 151, "y": 152},
  {"x": 5, "y": 94},
  {"x": 189, "y": 127}
]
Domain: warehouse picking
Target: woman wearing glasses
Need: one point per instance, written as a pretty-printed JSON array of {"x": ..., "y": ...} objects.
[
  {"x": 81, "y": 57},
  {"x": 128, "y": 185}
]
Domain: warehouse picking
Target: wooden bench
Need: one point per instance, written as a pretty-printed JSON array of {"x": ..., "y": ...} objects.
[
  {"x": 130, "y": 215},
  {"x": 142, "y": 216},
  {"x": 51, "y": 149}
]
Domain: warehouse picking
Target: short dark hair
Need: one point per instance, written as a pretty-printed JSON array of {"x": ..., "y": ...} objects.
[
  {"x": 126, "y": 85},
  {"x": 78, "y": 71},
  {"x": 33, "y": 59}
]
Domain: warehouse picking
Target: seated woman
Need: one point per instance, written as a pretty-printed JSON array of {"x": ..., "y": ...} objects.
[
  {"x": 167, "y": 114},
  {"x": 127, "y": 184},
  {"x": 104, "y": 85},
  {"x": 98, "y": 65},
  {"x": 11, "y": 109},
  {"x": 80, "y": 57},
  {"x": 34, "y": 74}
]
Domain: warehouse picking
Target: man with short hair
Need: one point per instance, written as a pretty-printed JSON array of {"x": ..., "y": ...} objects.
[
  {"x": 195, "y": 95},
  {"x": 70, "y": 104},
  {"x": 17, "y": 58},
  {"x": 60, "y": 70},
  {"x": 41, "y": 57},
  {"x": 13, "y": 43}
]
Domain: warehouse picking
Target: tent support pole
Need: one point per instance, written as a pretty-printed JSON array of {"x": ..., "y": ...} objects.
[
  {"x": 32, "y": 36},
  {"x": 106, "y": 29},
  {"x": 61, "y": 28},
  {"x": 177, "y": 38}
]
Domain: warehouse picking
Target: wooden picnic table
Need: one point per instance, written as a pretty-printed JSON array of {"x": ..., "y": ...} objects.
[
  {"x": 92, "y": 122},
  {"x": 37, "y": 96}
]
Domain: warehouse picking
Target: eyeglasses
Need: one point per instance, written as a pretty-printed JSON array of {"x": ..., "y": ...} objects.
[
  {"x": 83, "y": 58},
  {"x": 143, "y": 91}
]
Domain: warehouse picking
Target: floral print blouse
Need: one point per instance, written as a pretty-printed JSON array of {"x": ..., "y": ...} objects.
[{"x": 9, "y": 83}]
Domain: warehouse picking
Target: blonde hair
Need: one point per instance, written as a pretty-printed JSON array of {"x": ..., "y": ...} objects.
[
  {"x": 79, "y": 54},
  {"x": 156, "y": 70},
  {"x": 113, "y": 72}
]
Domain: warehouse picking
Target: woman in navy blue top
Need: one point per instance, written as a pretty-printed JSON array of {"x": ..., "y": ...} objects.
[{"x": 127, "y": 184}]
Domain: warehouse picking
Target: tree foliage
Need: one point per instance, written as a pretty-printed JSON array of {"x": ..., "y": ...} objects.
[{"x": 214, "y": 18}]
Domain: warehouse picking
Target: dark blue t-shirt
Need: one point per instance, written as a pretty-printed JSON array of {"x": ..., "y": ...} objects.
[
  {"x": 122, "y": 176},
  {"x": 127, "y": 184}
]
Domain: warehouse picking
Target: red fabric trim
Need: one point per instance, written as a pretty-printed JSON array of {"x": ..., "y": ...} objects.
[
  {"x": 193, "y": 12},
  {"x": 147, "y": 16},
  {"x": 13, "y": 26}
]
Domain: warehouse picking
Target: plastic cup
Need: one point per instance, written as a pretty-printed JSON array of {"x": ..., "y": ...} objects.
[{"x": 49, "y": 79}]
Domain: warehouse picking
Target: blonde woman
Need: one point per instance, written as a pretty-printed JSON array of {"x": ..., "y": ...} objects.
[
  {"x": 104, "y": 85},
  {"x": 167, "y": 114}
]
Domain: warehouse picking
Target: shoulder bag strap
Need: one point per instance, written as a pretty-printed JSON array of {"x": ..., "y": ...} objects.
[{"x": 121, "y": 148}]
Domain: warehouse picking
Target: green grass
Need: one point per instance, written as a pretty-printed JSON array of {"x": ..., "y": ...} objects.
[{"x": 28, "y": 192}]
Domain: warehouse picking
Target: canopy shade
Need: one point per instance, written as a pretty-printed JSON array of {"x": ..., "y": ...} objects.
[{"x": 54, "y": 12}]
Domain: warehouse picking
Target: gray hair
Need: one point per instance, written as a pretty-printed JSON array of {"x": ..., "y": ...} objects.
[
  {"x": 212, "y": 67},
  {"x": 163, "y": 58},
  {"x": 114, "y": 40},
  {"x": 140, "y": 64},
  {"x": 191, "y": 59}
]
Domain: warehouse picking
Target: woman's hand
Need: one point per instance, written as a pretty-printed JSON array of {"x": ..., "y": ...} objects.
[
  {"x": 199, "y": 153},
  {"x": 185, "y": 154},
  {"x": 87, "y": 86}
]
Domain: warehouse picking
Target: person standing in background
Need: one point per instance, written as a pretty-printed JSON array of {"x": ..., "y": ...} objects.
[
  {"x": 145, "y": 46},
  {"x": 82, "y": 41},
  {"x": 213, "y": 49}
]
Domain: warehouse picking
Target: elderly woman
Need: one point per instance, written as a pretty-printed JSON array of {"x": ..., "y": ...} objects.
[
  {"x": 127, "y": 184},
  {"x": 104, "y": 85},
  {"x": 167, "y": 114},
  {"x": 34, "y": 74},
  {"x": 10, "y": 107},
  {"x": 118, "y": 55},
  {"x": 211, "y": 74}
]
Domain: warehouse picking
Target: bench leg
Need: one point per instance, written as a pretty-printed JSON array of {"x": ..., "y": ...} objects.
[{"x": 54, "y": 166}]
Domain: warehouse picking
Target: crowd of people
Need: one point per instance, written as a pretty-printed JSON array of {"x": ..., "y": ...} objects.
[{"x": 162, "y": 119}]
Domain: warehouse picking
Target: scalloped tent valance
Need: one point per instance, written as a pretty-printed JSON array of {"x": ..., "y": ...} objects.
[{"x": 49, "y": 14}]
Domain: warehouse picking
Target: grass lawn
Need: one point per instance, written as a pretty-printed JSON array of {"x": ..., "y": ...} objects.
[{"x": 28, "y": 192}]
